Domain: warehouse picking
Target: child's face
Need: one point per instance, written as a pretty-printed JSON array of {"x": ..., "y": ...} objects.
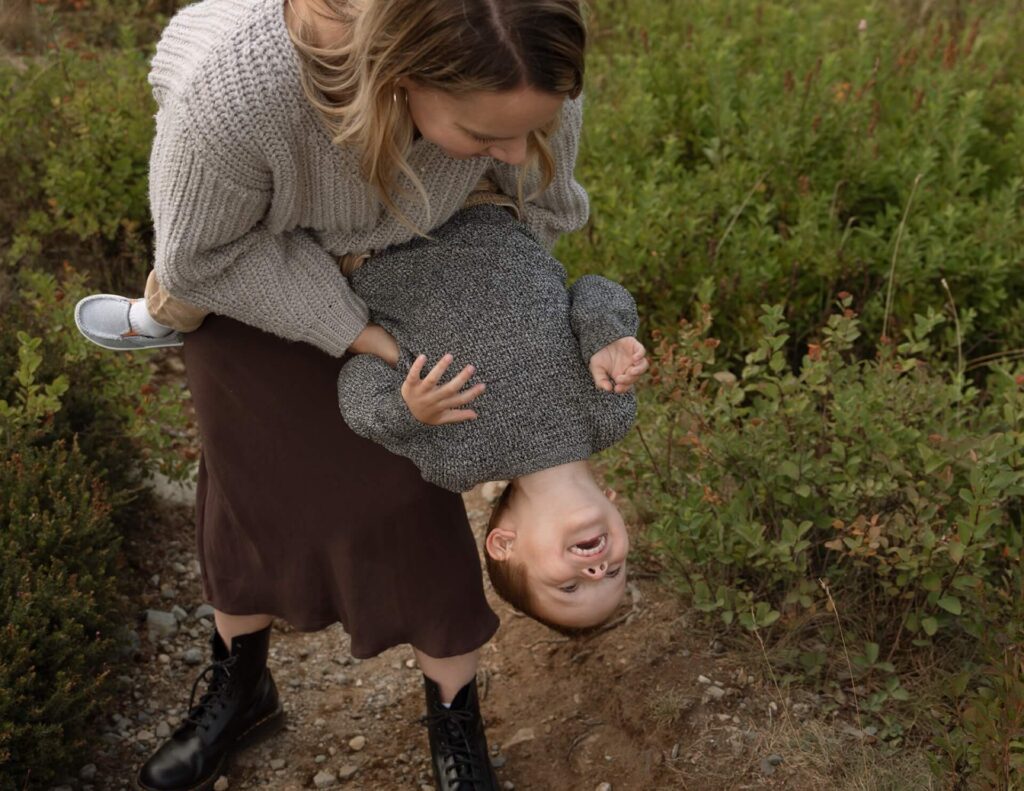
[{"x": 572, "y": 542}]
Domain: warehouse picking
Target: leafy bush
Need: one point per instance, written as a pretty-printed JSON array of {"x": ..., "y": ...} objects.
[
  {"x": 889, "y": 487},
  {"x": 123, "y": 422},
  {"x": 58, "y": 607},
  {"x": 737, "y": 153},
  {"x": 75, "y": 132}
]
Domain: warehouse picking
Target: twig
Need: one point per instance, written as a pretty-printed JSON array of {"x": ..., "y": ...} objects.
[
  {"x": 771, "y": 672},
  {"x": 895, "y": 253},
  {"x": 849, "y": 664},
  {"x": 738, "y": 212},
  {"x": 959, "y": 350}
]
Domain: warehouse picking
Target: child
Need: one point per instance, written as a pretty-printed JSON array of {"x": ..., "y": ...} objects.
[
  {"x": 556, "y": 546},
  {"x": 482, "y": 285}
]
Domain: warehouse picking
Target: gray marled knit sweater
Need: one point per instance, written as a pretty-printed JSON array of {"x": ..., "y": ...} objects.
[
  {"x": 485, "y": 290},
  {"x": 252, "y": 202}
]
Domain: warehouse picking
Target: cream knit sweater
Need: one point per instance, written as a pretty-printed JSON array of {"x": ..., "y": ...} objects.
[{"x": 252, "y": 203}]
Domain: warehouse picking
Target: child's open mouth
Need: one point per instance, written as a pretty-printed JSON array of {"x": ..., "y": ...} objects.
[{"x": 595, "y": 546}]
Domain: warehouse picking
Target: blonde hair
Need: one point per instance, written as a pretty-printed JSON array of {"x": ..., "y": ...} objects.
[{"x": 454, "y": 46}]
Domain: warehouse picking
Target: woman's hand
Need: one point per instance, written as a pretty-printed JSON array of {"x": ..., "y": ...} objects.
[
  {"x": 618, "y": 365},
  {"x": 436, "y": 405},
  {"x": 377, "y": 341}
]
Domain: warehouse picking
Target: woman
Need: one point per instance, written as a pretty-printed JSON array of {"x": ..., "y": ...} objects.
[{"x": 291, "y": 135}]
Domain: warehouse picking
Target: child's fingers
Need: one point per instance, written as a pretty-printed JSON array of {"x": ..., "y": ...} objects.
[
  {"x": 438, "y": 370},
  {"x": 458, "y": 381},
  {"x": 416, "y": 369},
  {"x": 463, "y": 397},
  {"x": 457, "y": 416}
]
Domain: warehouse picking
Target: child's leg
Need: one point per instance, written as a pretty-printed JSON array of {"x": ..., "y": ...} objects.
[
  {"x": 169, "y": 311},
  {"x": 124, "y": 324}
]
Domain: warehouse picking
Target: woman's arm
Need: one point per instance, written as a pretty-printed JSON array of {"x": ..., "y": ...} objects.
[{"x": 213, "y": 251}]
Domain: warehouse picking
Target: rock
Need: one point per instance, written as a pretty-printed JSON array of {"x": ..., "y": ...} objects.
[
  {"x": 221, "y": 784},
  {"x": 160, "y": 624},
  {"x": 173, "y": 492},
  {"x": 168, "y": 592},
  {"x": 179, "y": 568},
  {"x": 348, "y": 771},
  {"x": 145, "y": 736},
  {"x": 179, "y": 612},
  {"x": 703, "y": 680},
  {"x": 324, "y": 779},
  {"x": 508, "y": 785},
  {"x": 202, "y": 611},
  {"x": 87, "y": 773},
  {"x": 357, "y": 743},
  {"x": 767, "y": 768},
  {"x": 603, "y": 787},
  {"x": 774, "y": 759},
  {"x": 520, "y": 736},
  {"x": 193, "y": 656},
  {"x": 164, "y": 659},
  {"x": 155, "y": 580},
  {"x": 163, "y": 730},
  {"x": 715, "y": 692},
  {"x": 498, "y": 761},
  {"x": 278, "y": 763},
  {"x": 320, "y": 759},
  {"x": 129, "y": 643}
]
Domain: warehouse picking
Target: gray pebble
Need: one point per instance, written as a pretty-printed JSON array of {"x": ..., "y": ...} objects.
[
  {"x": 87, "y": 773},
  {"x": 161, "y": 624},
  {"x": 179, "y": 568},
  {"x": 508, "y": 785},
  {"x": 203, "y": 611},
  {"x": 767, "y": 768},
  {"x": 715, "y": 692},
  {"x": 278, "y": 763},
  {"x": 320, "y": 759},
  {"x": 163, "y": 730},
  {"x": 193, "y": 656},
  {"x": 179, "y": 612},
  {"x": 603, "y": 787},
  {"x": 498, "y": 761},
  {"x": 155, "y": 580},
  {"x": 774, "y": 759},
  {"x": 168, "y": 591},
  {"x": 348, "y": 771},
  {"x": 324, "y": 779},
  {"x": 221, "y": 784}
]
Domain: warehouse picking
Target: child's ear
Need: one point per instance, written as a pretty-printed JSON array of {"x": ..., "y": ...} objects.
[
  {"x": 611, "y": 494},
  {"x": 499, "y": 543}
]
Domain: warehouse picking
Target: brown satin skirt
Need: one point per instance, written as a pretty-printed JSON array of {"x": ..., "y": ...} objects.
[{"x": 301, "y": 518}]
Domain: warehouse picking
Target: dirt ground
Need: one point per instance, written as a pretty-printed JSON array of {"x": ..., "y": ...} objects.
[{"x": 651, "y": 703}]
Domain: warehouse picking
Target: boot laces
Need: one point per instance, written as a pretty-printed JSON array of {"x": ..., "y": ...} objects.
[
  {"x": 213, "y": 699},
  {"x": 461, "y": 763}
]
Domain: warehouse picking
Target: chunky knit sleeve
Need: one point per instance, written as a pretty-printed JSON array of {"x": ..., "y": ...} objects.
[
  {"x": 601, "y": 312},
  {"x": 370, "y": 398},
  {"x": 564, "y": 205},
  {"x": 213, "y": 251}
]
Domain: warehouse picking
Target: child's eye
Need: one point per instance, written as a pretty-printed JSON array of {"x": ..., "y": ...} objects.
[
  {"x": 614, "y": 572},
  {"x": 570, "y": 588},
  {"x": 483, "y": 139}
]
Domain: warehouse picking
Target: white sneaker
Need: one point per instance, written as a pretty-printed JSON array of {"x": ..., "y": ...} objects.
[{"x": 104, "y": 320}]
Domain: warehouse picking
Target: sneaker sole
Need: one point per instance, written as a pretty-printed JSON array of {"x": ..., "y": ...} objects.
[{"x": 257, "y": 732}]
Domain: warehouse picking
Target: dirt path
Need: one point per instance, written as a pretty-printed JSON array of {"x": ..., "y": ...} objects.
[{"x": 648, "y": 704}]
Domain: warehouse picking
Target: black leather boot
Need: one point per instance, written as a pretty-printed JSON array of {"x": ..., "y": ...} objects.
[
  {"x": 458, "y": 745},
  {"x": 240, "y": 707}
]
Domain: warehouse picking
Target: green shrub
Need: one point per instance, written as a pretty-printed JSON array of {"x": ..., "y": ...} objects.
[
  {"x": 58, "y": 608},
  {"x": 75, "y": 131},
  {"x": 740, "y": 153},
  {"x": 887, "y": 487},
  {"x": 107, "y": 402}
]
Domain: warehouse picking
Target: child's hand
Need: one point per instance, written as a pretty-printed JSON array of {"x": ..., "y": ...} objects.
[
  {"x": 618, "y": 365},
  {"x": 433, "y": 404},
  {"x": 377, "y": 341}
]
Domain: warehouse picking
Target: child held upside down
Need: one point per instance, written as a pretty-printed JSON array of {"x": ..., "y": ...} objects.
[{"x": 558, "y": 366}]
